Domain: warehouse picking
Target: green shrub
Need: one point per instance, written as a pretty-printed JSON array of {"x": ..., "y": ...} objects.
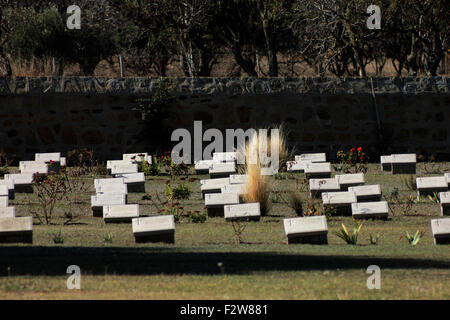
[
  {"x": 58, "y": 237},
  {"x": 414, "y": 239},
  {"x": 197, "y": 217},
  {"x": 350, "y": 237}
]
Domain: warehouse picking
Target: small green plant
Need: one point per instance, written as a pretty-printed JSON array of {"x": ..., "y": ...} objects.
[
  {"x": 434, "y": 198},
  {"x": 4, "y": 164},
  {"x": 197, "y": 217},
  {"x": 414, "y": 239},
  {"x": 108, "y": 237},
  {"x": 373, "y": 239},
  {"x": 350, "y": 237},
  {"x": 181, "y": 192},
  {"x": 58, "y": 237},
  {"x": 147, "y": 197}
]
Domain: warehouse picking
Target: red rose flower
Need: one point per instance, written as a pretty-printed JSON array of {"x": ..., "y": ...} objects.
[
  {"x": 352, "y": 150},
  {"x": 359, "y": 149}
]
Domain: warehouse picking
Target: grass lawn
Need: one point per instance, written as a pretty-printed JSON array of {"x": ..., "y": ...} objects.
[{"x": 263, "y": 267}]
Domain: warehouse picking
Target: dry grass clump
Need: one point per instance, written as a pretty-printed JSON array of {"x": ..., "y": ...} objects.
[{"x": 258, "y": 187}]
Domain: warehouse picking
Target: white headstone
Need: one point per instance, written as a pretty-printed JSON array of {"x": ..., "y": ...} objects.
[
  {"x": 16, "y": 229},
  {"x": 4, "y": 191},
  {"x": 234, "y": 188},
  {"x": 365, "y": 192},
  {"x": 350, "y": 179},
  {"x": 404, "y": 158},
  {"x": 386, "y": 163},
  {"x": 370, "y": 209},
  {"x": 306, "y": 229},
  {"x": 108, "y": 181},
  {"x": 120, "y": 212},
  {"x": 203, "y": 165},
  {"x": 339, "y": 198},
  {"x": 23, "y": 182},
  {"x": 431, "y": 184},
  {"x": 106, "y": 199},
  {"x": 318, "y": 170},
  {"x": 63, "y": 162},
  {"x": 4, "y": 201},
  {"x": 444, "y": 199},
  {"x": 317, "y": 186},
  {"x": 7, "y": 212},
  {"x": 297, "y": 165},
  {"x": 225, "y": 156},
  {"x": 447, "y": 176},
  {"x": 112, "y": 163},
  {"x": 313, "y": 157},
  {"x": 154, "y": 229},
  {"x": 213, "y": 184},
  {"x": 132, "y": 177},
  {"x": 223, "y": 168},
  {"x": 440, "y": 228},
  {"x": 47, "y": 157},
  {"x": 112, "y": 188},
  {"x": 137, "y": 157},
  {"x": 221, "y": 199},
  {"x": 238, "y": 178},
  {"x": 20, "y": 178},
  {"x": 244, "y": 210},
  {"x": 124, "y": 168},
  {"x": 33, "y": 167}
]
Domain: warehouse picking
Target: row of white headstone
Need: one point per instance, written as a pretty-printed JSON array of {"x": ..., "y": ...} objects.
[
  {"x": 314, "y": 165},
  {"x": 314, "y": 230},
  {"x": 20, "y": 229},
  {"x": 112, "y": 196}
]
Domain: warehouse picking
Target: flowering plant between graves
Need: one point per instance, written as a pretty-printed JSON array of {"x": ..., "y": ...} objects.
[
  {"x": 353, "y": 161},
  {"x": 163, "y": 165},
  {"x": 4, "y": 163}
]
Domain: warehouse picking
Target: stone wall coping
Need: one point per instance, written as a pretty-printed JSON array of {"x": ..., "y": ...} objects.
[{"x": 227, "y": 86}]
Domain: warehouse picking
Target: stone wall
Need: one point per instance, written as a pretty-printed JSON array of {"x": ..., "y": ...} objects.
[{"x": 384, "y": 115}]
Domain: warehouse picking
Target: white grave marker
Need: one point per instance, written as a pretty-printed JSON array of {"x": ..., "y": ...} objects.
[
  {"x": 154, "y": 229},
  {"x": 368, "y": 193},
  {"x": 134, "y": 181},
  {"x": 317, "y": 186},
  {"x": 313, "y": 157},
  {"x": 7, "y": 212},
  {"x": 440, "y": 228},
  {"x": 321, "y": 170},
  {"x": 242, "y": 211},
  {"x": 105, "y": 199},
  {"x": 350, "y": 180},
  {"x": 238, "y": 178},
  {"x": 120, "y": 213},
  {"x": 444, "y": 199},
  {"x": 386, "y": 163},
  {"x": 16, "y": 230},
  {"x": 215, "y": 202},
  {"x": 341, "y": 201},
  {"x": 378, "y": 209},
  {"x": 225, "y": 156},
  {"x": 202, "y": 166},
  {"x": 428, "y": 185},
  {"x": 23, "y": 182},
  {"x": 223, "y": 169},
  {"x": 403, "y": 163},
  {"x": 312, "y": 230}
]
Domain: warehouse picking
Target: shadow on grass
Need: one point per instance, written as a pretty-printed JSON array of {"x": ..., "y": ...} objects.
[{"x": 26, "y": 260}]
